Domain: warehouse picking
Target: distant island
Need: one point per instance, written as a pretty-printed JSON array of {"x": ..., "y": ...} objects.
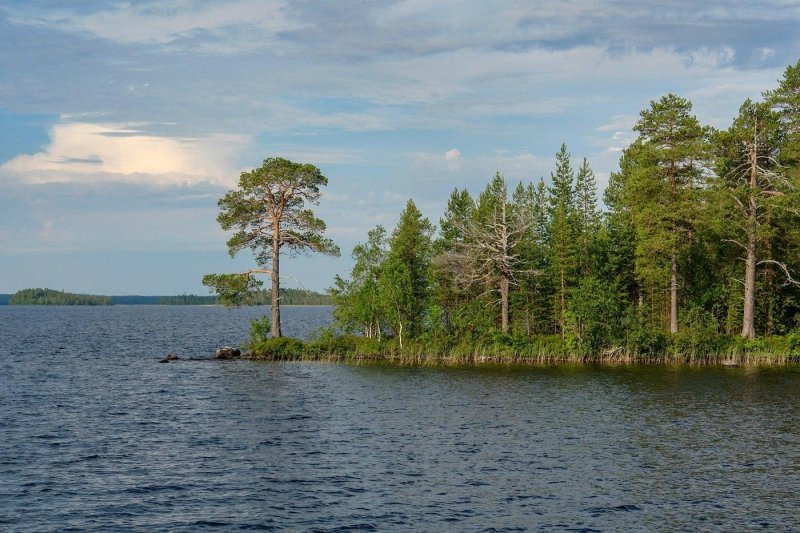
[{"x": 54, "y": 297}]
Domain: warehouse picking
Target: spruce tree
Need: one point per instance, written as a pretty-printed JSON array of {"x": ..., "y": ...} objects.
[
  {"x": 561, "y": 232},
  {"x": 405, "y": 279},
  {"x": 587, "y": 216}
]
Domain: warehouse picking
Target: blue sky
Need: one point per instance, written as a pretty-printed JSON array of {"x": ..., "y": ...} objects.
[{"x": 122, "y": 123}]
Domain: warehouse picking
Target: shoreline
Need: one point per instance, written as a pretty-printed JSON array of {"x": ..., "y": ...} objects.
[{"x": 359, "y": 350}]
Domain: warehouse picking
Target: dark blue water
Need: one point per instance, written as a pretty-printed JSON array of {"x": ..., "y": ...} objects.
[{"x": 95, "y": 434}]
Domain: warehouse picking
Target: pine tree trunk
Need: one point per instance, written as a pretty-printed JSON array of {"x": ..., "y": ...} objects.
[
  {"x": 673, "y": 295},
  {"x": 276, "y": 285},
  {"x": 504, "y": 303},
  {"x": 748, "y": 320}
]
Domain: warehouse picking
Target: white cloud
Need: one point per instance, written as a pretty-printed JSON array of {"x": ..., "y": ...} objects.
[
  {"x": 712, "y": 57},
  {"x": 170, "y": 22},
  {"x": 453, "y": 158},
  {"x": 85, "y": 152}
]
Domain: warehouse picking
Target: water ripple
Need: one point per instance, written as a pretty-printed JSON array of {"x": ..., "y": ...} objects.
[{"x": 97, "y": 435}]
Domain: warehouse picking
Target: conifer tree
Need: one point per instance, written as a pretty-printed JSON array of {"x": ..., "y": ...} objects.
[
  {"x": 673, "y": 152},
  {"x": 757, "y": 187},
  {"x": 561, "y": 232},
  {"x": 530, "y": 203},
  {"x": 405, "y": 277},
  {"x": 449, "y": 294},
  {"x": 587, "y": 215},
  {"x": 785, "y": 99},
  {"x": 269, "y": 213}
]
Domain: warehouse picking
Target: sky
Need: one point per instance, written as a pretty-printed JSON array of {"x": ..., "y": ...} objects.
[{"x": 122, "y": 123}]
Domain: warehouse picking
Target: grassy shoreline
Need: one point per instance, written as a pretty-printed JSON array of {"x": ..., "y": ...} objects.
[{"x": 537, "y": 352}]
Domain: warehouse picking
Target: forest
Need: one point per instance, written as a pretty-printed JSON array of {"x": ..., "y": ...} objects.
[
  {"x": 692, "y": 248},
  {"x": 53, "y": 297}
]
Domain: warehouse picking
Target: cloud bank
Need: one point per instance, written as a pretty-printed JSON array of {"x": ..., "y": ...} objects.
[{"x": 93, "y": 153}]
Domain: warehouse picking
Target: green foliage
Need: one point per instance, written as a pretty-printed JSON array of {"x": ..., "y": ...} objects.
[
  {"x": 292, "y": 297},
  {"x": 594, "y": 316},
  {"x": 53, "y": 297},
  {"x": 505, "y": 273},
  {"x": 785, "y": 99},
  {"x": 279, "y": 348},
  {"x": 252, "y": 210},
  {"x": 187, "y": 299},
  {"x": 456, "y": 218},
  {"x": 268, "y": 213},
  {"x": 233, "y": 290},
  {"x": 642, "y": 336},
  {"x": 404, "y": 281},
  {"x": 359, "y": 306},
  {"x": 561, "y": 235},
  {"x": 327, "y": 341},
  {"x": 259, "y": 330},
  {"x": 698, "y": 335}
]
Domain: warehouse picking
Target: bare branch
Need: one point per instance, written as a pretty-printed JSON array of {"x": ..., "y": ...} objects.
[
  {"x": 789, "y": 279},
  {"x": 734, "y": 241}
]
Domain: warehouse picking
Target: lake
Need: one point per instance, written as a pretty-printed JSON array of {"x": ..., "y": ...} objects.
[{"x": 95, "y": 434}]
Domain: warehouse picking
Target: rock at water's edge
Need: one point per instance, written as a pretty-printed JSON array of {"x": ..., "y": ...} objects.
[
  {"x": 170, "y": 357},
  {"x": 227, "y": 352}
]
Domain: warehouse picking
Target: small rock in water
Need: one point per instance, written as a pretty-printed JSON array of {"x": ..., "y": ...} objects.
[
  {"x": 170, "y": 357},
  {"x": 227, "y": 352}
]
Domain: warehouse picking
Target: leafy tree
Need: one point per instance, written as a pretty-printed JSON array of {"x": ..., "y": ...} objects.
[
  {"x": 358, "y": 301},
  {"x": 595, "y": 315},
  {"x": 268, "y": 213}
]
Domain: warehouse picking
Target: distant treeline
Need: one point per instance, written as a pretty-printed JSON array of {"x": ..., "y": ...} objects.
[
  {"x": 53, "y": 297},
  {"x": 294, "y": 297}
]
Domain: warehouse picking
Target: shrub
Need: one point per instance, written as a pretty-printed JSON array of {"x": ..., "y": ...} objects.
[
  {"x": 280, "y": 348},
  {"x": 259, "y": 330},
  {"x": 698, "y": 335}
]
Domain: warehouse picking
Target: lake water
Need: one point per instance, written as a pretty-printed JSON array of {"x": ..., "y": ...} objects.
[{"x": 95, "y": 434}]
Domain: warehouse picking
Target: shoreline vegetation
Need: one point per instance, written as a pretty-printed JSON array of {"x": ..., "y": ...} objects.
[
  {"x": 692, "y": 258},
  {"x": 543, "y": 350},
  {"x": 54, "y": 297}
]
